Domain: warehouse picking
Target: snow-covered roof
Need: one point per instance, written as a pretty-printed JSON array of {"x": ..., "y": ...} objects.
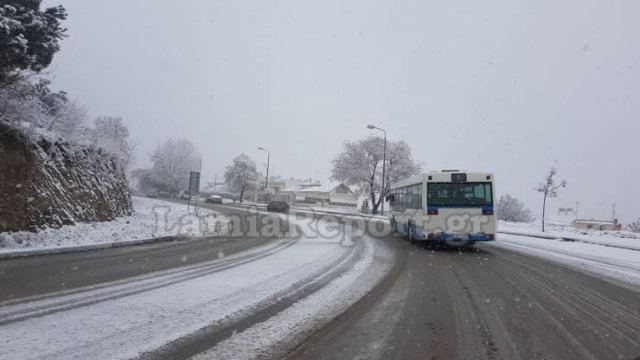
[
  {"x": 326, "y": 187},
  {"x": 596, "y": 221},
  {"x": 289, "y": 189},
  {"x": 560, "y": 219}
]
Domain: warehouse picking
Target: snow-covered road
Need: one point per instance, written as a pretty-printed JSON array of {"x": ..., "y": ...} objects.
[
  {"x": 609, "y": 255},
  {"x": 601, "y": 260},
  {"x": 267, "y": 298},
  {"x": 319, "y": 277}
]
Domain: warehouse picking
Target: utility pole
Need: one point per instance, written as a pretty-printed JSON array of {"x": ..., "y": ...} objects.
[
  {"x": 267, "y": 195},
  {"x": 613, "y": 212},
  {"x": 266, "y": 182}
]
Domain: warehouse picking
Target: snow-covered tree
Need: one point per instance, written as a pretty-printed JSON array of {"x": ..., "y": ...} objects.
[
  {"x": 29, "y": 37},
  {"x": 70, "y": 121},
  {"x": 511, "y": 209},
  {"x": 19, "y": 104},
  {"x": 31, "y": 101},
  {"x": 635, "y": 226},
  {"x": 360, "y": 165},
  {"x": 53, "y": 102},
  {"x": 549, "y": 188},
  {"x": 173, "y": 160},
  {"x": 110, "y": 134},
  {"x": 241, "y": 175}
]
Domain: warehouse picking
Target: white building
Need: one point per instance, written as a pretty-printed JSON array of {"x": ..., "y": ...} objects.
[{"x": 327, "y": 194}]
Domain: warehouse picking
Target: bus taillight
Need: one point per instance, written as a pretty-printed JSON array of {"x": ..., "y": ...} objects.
[
  {"x": 487, "y": 212},
  {"x": 432, "y": 212}
]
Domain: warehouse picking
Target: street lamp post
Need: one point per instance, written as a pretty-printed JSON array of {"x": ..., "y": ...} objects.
[
  {"x": 384, "y": 161},
  {"x": 266, "y": 181}
]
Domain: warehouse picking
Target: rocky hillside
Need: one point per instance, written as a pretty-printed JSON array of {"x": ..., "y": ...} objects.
[{"x": 47, "y": 182}]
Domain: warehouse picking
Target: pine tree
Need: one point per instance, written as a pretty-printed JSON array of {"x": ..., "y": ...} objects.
[{"x": 29, "y": 37}]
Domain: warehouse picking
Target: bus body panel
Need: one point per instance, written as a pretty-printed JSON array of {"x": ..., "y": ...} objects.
[
  {"x": 447, "y": 211},
  {"x": 458, "y": 222}
]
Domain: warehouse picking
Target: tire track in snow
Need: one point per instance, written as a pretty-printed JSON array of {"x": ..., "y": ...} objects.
[
  {"x": 128, "y": 327},
  {"x": 52, "y": 303}
]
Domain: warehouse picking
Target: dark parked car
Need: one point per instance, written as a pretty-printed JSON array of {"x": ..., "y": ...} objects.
[
  {"x": 213, "y": 199},
  {"x": 278, "y": 206}
]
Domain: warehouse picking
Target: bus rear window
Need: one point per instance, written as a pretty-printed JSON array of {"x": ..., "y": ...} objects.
[{"x": 459, "y": 194}]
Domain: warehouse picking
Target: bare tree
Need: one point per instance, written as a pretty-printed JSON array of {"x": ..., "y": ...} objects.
[
  {"x": 635, "y": 226},
  {"x": 511, "y": 209},
  {"x": 70, "y": 122},
  {"x": 110, "y": 134},
  {"x": 550, "y": 189},
  {"x": 172, "y": 162},
  {"x": 360, "y": 164},
  {"x": 241, "y": 175}
]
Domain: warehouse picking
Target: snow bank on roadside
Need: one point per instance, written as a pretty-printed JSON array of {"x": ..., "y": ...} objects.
[
  {"x": 610, "y": 262},
  {"x": 152, "y": 218},
  {"x": 623, "y": 239}
]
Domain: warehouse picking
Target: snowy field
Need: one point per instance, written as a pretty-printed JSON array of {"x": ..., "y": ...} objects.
[
  {"x": 613, "y": 255},
  {"x": 623, "y": 239},
  {"x": 152, "y": 218},
  {"x": 136, "y": 322}
]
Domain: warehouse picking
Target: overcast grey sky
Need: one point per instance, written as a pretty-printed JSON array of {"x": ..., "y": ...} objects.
[{"x": 508, "y": 86}]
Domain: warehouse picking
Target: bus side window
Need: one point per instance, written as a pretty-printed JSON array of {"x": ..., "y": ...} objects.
[
  {"x": 406, "y": 197},
  {"x": 396, "y": 201},
  {"x": 412, "y": 197}
]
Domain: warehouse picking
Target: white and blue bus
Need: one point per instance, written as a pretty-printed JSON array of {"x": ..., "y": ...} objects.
[{"x": 450, "y": 206}]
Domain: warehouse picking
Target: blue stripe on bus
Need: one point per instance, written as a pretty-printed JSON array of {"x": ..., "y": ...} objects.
[{"x": 441, "y": 237}]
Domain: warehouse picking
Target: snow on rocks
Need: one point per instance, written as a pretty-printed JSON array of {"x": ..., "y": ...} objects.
[
  {"x": 51, "y": 182},
  {"x": 152, "y": 218}
]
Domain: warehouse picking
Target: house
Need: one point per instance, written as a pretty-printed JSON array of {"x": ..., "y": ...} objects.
[
  {"x": 609, "y": 225},
  {"x": 328, "y": 194},
  {"x": 316, "y": 194},
  {"x": 276, "y": 184},
  {"x": 286, "y": 189}
]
